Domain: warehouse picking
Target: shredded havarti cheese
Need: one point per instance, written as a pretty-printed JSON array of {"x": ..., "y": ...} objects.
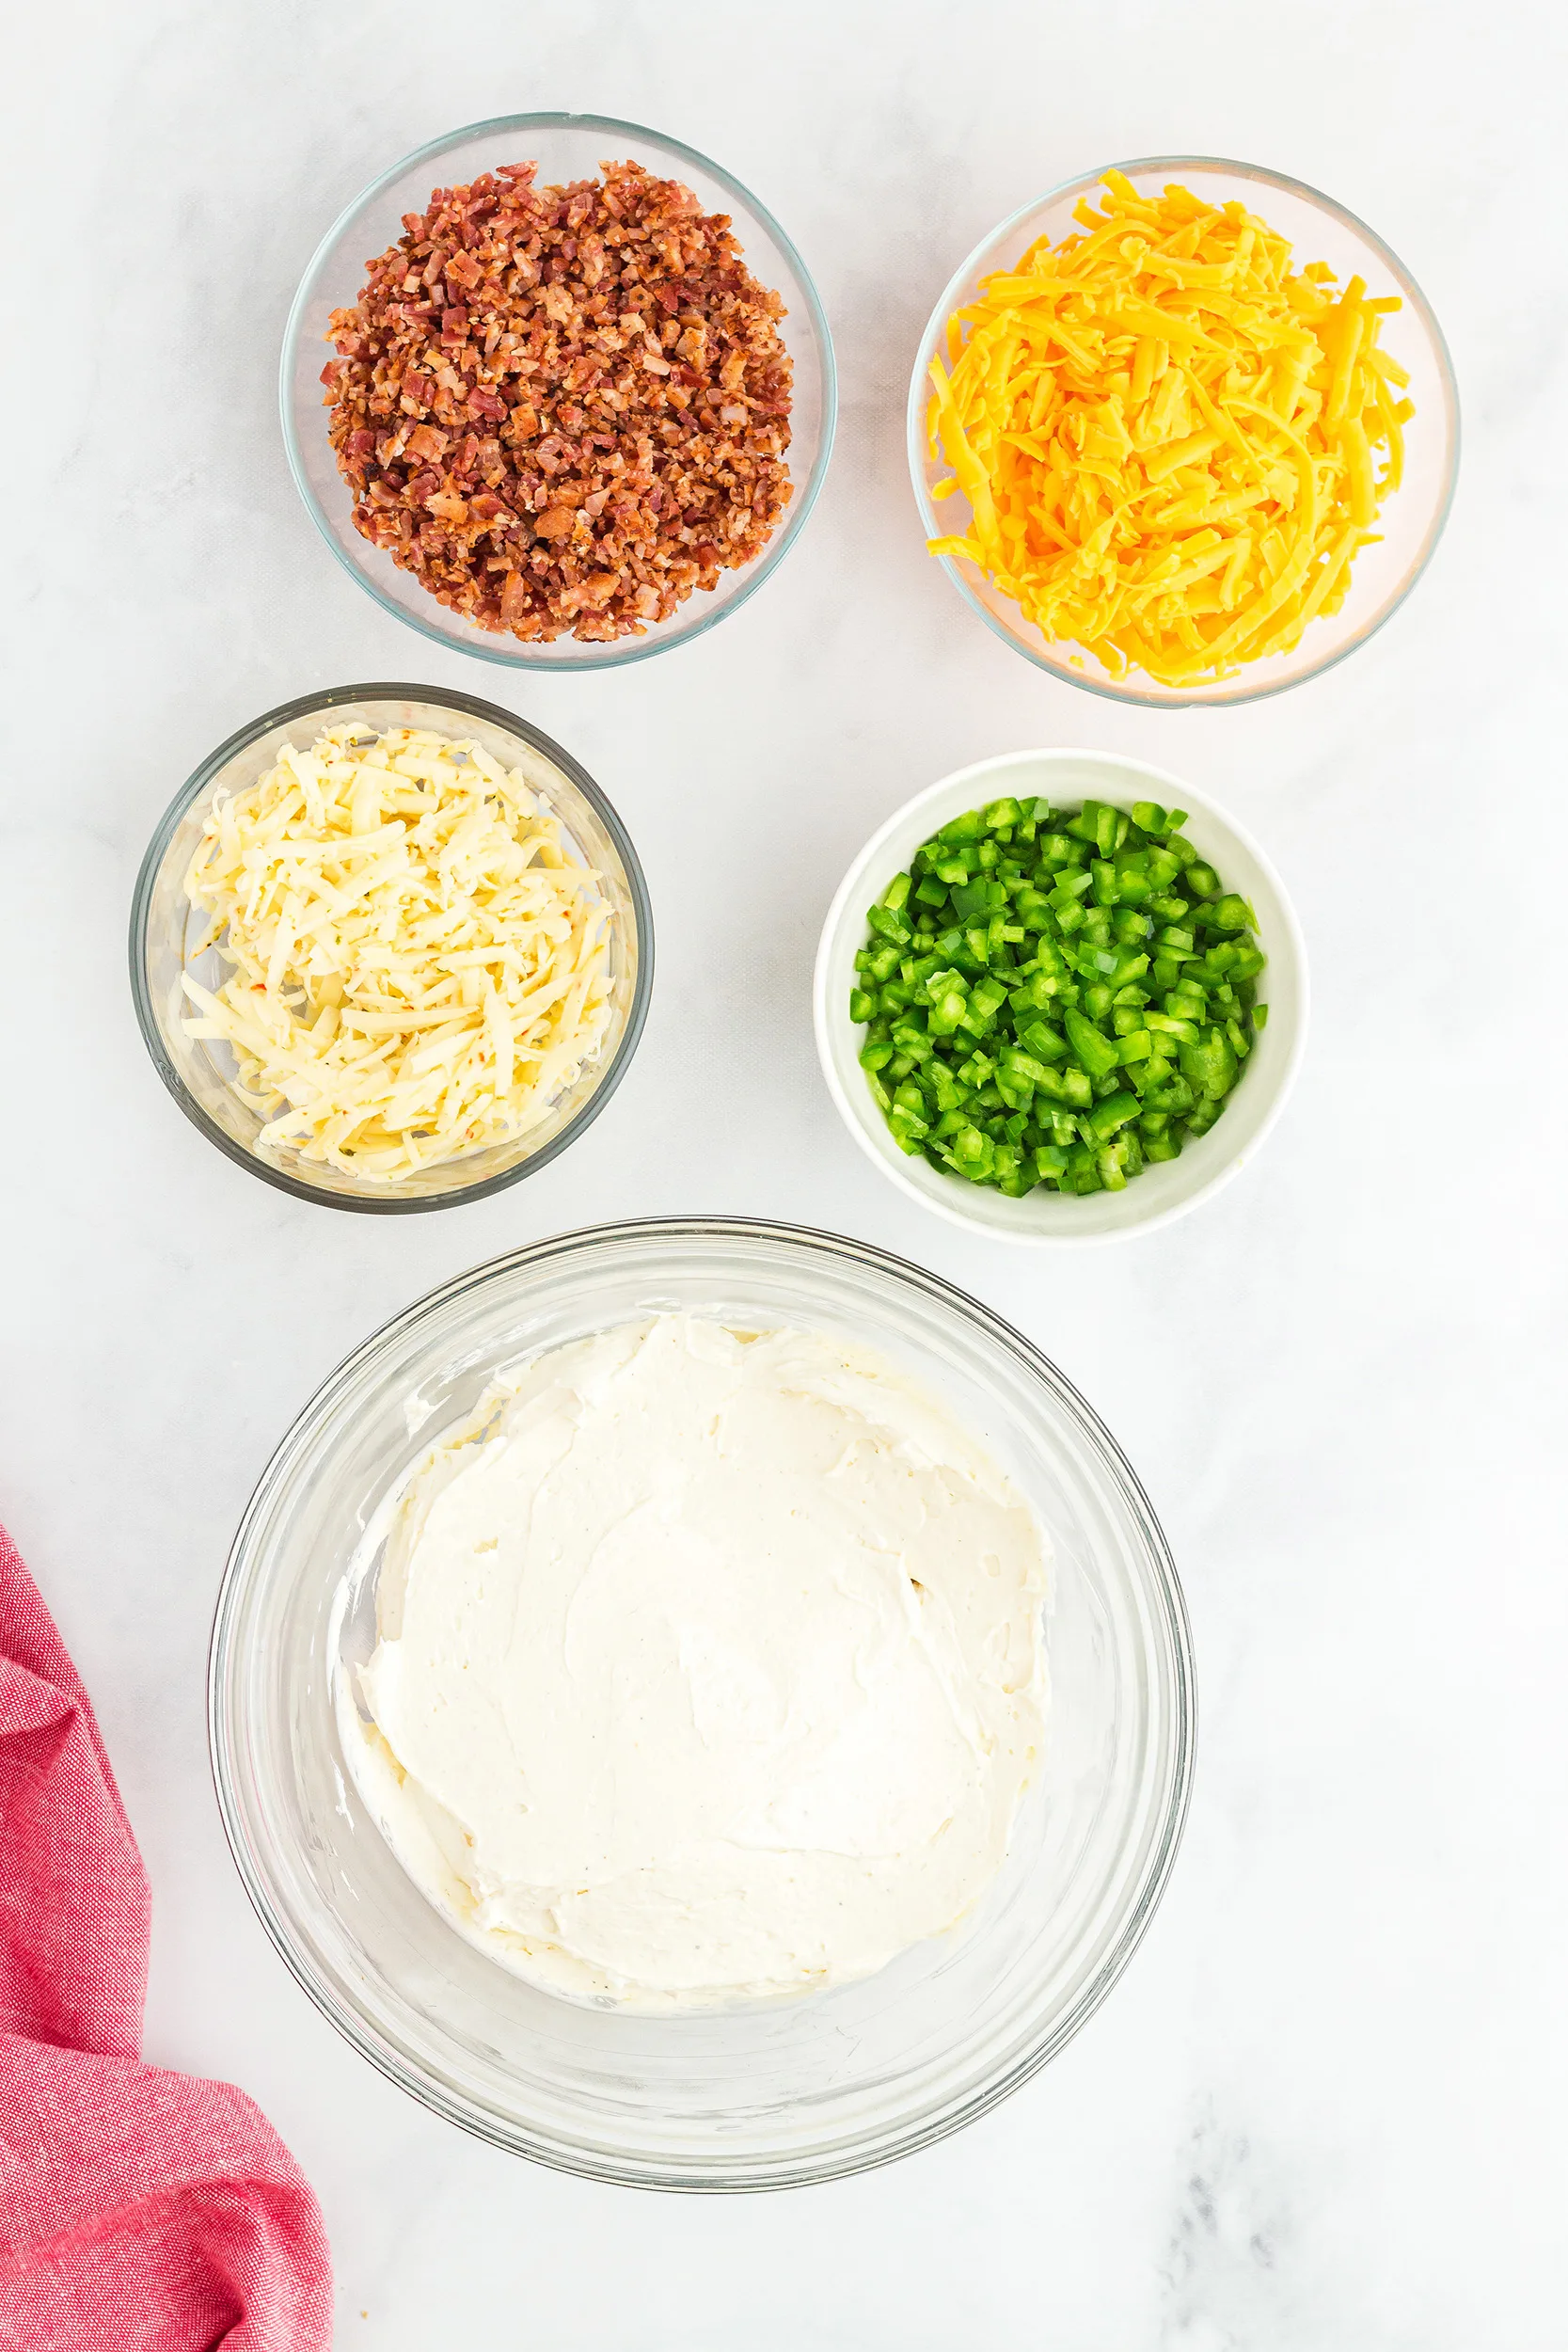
[
  {"x": 419, "y": 965},
  {"x": 1168, "y": 441}
]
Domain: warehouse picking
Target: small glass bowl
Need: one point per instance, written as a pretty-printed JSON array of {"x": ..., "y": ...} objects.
[
  {"x": 1411, "y": 519},
  {"x": 770, "y": 2095},
  {"x": 566, "y": 147},
  {"x": 197, "y": 1072}
]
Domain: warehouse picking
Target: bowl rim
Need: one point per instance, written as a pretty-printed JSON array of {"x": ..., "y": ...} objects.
[
  {"x": 472, "y": 706},
  {"x": 1154, "y": 697},
  {"x": 625, "y": 650},
  {"x": 1167, "y": 1609},
  {"x": 826, "y": 1019}
]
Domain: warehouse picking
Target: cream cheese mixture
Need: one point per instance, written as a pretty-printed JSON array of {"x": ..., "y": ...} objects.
[{"x": 710, "y": 1665}]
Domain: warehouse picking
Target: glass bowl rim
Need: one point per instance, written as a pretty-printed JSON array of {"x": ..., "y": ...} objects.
[
  {"x": 625, "y": 650},
  {"x": 1155, "y": 697},
  {"x": 332, "y": 698},
  {"x": 1167, "y": 1609}
]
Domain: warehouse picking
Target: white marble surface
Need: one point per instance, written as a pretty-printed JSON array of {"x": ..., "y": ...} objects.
[{"x": 1325, "y": 2108}]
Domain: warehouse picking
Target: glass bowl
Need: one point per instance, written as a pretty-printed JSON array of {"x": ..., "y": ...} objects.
[
  {"x": 164, "y": 924},
  {"x": 1411, "y": 519},
  {"x": 566, "y": 147},
  {"x": 765, "y": 2096},
  {"x": 1165, "y": 1189}
]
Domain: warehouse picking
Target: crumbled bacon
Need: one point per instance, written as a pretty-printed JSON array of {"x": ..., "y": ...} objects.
[{"x": 563, "y": 409}]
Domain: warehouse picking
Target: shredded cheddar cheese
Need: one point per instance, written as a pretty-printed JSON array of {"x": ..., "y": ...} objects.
[
  {"x": 1172, "y": 444},
  {"x": 419, "y": 967}
]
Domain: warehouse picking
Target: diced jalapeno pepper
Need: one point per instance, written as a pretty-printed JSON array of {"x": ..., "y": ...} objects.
[{"x": 1055, "y": 998}]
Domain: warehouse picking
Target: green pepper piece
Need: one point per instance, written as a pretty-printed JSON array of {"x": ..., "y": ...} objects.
[
  {"x": 975, "y": 1154},
  {"x": 1024, "y": 1065},
  {"x": 1043, "y": 1041},
  {"x": 1095, "y": 1052},
  {"x": 1033, "y": 994},
  {"x": 1209, "y": 1065},
  {"x": 1113, "y": 1113}
]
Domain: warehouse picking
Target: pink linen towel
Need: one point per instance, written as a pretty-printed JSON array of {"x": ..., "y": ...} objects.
[{"x": 140, "y": 2211}]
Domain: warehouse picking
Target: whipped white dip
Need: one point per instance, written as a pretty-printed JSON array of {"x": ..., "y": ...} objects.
[{"x": 709, "y": 1665}]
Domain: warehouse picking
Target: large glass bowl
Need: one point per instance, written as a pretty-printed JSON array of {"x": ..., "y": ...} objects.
[
  {"x": 755, "y": 2097},
  {"x": 565, "y": 147},
  {"x": 1411, "y": 519},
  {"x": 165, "y": 926}
]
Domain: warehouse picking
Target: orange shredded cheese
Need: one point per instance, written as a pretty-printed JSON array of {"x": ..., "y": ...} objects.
[{"x": 1172, "y": 444}]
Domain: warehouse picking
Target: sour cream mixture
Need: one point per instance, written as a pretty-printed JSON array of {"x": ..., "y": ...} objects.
[{"x": 710, "y": 1665}]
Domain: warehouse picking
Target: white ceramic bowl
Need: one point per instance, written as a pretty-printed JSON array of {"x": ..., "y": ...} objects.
[{"x": 1163, "y": 1190}]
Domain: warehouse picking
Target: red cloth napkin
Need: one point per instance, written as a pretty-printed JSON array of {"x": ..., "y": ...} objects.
[{"x": 140, "y": 2211}]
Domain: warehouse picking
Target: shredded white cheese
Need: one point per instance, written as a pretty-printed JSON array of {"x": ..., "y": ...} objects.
[{"x": 421, "y": 965}]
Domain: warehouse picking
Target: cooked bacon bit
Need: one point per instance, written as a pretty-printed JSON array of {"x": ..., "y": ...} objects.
[{"x": 563, "y": 409}]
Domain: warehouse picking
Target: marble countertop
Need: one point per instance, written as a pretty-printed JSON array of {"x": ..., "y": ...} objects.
[{"x": 1325, "y": 2108}]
